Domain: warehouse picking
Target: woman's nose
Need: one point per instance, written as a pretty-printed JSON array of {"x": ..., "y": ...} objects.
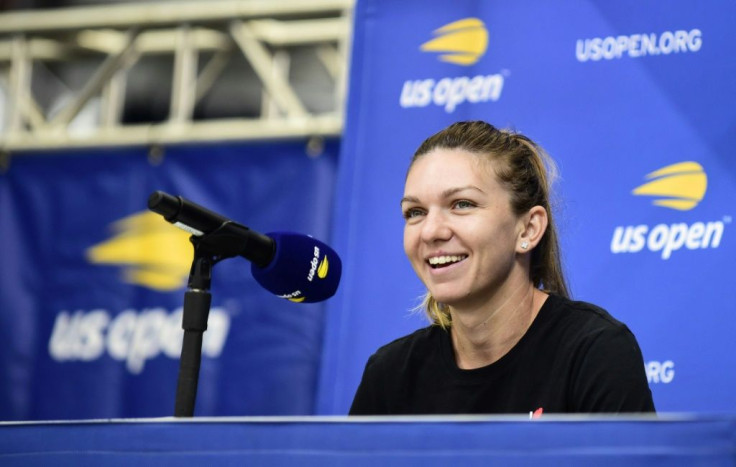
[{"x": 436, "y": 227}]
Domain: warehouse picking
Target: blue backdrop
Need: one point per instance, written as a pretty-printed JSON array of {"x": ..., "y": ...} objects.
[
  {"x": 633, "y": 99},
  {"x": 92, "y": 284}
]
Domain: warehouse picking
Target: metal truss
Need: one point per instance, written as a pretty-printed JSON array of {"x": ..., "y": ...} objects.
[{"x": 201, "y": 39}]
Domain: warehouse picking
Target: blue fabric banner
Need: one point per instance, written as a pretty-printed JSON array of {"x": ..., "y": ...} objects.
[
  {"x": 92, "y": 283},
  {"x": 633, "y": 99}
]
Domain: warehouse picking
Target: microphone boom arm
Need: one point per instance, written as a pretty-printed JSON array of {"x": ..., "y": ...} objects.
[{"x": 224, "y": 237}]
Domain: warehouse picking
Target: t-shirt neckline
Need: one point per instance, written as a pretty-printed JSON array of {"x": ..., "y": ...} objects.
[{"x": 500, "y": 366}]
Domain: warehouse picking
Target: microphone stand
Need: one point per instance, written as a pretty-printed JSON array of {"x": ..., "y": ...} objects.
[{"x": 208, "y": 250}]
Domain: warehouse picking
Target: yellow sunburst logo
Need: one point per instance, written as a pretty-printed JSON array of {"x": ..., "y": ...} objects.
[
  {"x": 153, "y": 253},
  {"x": 324, "y": 266},
  {"x": 461, "y": 42},
  {"x": 678, "y": 186}
]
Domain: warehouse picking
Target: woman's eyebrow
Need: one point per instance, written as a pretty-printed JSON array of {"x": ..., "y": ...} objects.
[
  {"x": 409, "y": 199},
  {"x": 451, "y": 191},
  {"x": 445, "y": 194}
]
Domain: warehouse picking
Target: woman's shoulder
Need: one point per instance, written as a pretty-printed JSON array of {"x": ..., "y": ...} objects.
[
  {"x": 583, "y": 315},
  {"x": 420, "y": 342},
  {"x": 583, "y": 326}
]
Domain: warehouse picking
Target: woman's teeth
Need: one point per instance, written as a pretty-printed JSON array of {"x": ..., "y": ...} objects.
[{"x": 440, "y": 261}]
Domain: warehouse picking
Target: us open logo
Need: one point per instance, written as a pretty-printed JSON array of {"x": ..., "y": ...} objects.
[
  {"x": 154, "y": 254},
  {"x": 461, "y": 43},
  {"x": 680, "y": 187}
]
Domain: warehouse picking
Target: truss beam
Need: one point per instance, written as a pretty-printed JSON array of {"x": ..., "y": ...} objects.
[{"x": 203, "y": 40}]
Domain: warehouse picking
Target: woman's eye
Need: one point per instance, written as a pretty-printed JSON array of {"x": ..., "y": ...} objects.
[
  {"x": 464, "y": 204},
  {"x": 412, "y": 212}
]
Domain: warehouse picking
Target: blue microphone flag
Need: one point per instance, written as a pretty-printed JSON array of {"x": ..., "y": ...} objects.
[{"x": 303, "y": 269}]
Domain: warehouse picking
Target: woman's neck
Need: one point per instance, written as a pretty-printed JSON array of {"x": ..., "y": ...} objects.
[{"x": 483, "y": 335}]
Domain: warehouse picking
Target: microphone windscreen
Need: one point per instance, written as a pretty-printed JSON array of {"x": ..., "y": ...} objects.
[{"x": 303, "y": 269}]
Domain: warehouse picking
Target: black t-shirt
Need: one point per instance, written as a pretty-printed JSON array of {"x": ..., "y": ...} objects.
[{"x": 574, "y": 358}]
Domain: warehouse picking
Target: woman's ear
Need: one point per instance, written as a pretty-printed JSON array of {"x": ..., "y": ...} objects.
[{"x": 534, "y": 224}]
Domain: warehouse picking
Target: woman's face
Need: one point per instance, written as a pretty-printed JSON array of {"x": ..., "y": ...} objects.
[{"x": 460, "y": 234}]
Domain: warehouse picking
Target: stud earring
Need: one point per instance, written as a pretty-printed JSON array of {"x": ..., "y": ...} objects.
[{"x": 524, "y": 245}]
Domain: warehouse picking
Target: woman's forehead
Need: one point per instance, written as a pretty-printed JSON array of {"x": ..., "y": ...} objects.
[
  {"x": 449, "y": 169},
  {"x": 446, "y": 161}
]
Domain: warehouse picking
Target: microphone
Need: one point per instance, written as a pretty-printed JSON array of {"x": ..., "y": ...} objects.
[{"x": 293, "y": 266}]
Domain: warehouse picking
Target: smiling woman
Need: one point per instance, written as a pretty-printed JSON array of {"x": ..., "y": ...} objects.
[{"x": 505, "y": 336}]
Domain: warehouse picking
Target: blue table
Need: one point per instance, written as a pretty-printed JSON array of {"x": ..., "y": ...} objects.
[{"x": 374, "y": 441}]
